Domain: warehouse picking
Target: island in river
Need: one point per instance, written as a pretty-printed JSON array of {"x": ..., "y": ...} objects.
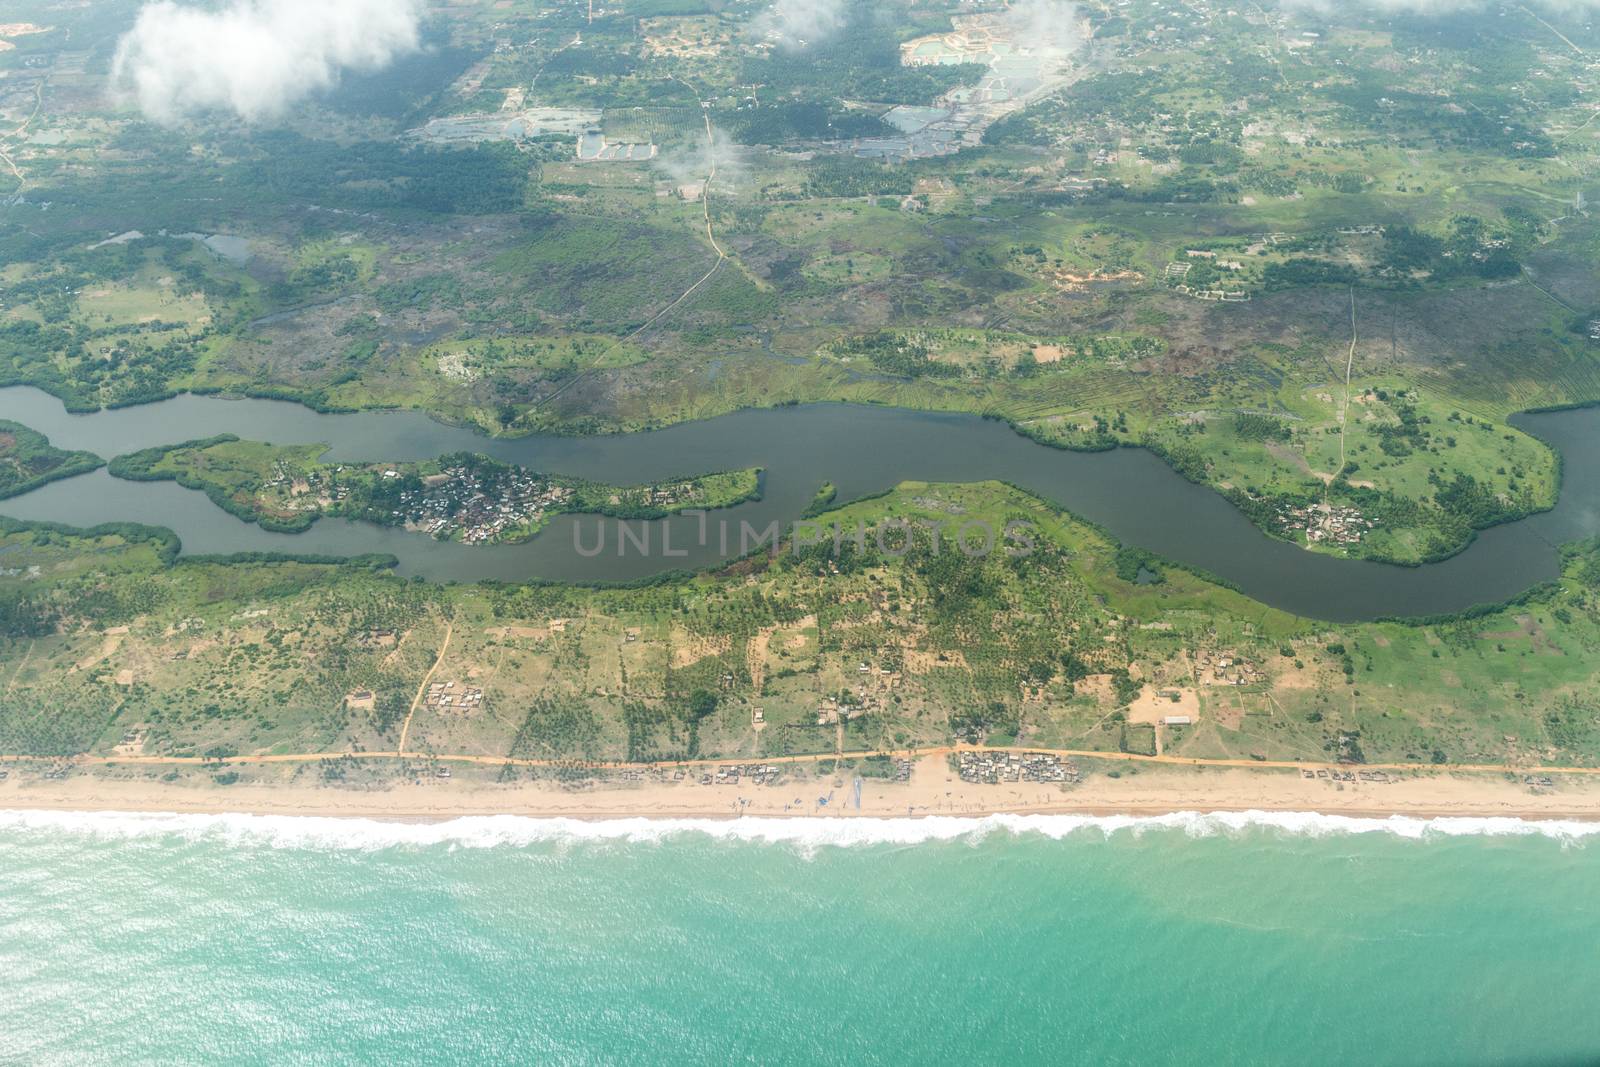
[{"x": 464, "y": 497}]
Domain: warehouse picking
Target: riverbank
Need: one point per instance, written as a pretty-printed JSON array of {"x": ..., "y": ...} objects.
[{"x": 933, "y": 790}]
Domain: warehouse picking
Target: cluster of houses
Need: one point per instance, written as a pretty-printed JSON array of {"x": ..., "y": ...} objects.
[
  {"x": 1177, "y": 271},
  {"x": 1334, "y": 524},
  {"x": 668, "y": 495},
  {"x": 446, "y": 696},
  {"x": 1227, "y": 296},
  {"x": 306, "y": 490},
  {"x": 1225, "y": 668},
  {"x": 1346, "y": 776},
  {"x": 847, "y": 705},
  {"x": 832, "y": 710},
  {"x": 1220, "y": 264},
  {"x": 1258, "y": 241},
  {"x": 478, "y": 506},
  {"x": 993, "y": 768},
  {"x": 755, "y": 773}
]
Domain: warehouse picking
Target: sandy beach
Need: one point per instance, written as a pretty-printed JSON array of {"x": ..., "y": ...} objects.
[{"x": 933, "y": 790}]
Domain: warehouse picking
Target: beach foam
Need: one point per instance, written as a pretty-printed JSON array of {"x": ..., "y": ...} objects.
[{"x": 491, "y": 831}]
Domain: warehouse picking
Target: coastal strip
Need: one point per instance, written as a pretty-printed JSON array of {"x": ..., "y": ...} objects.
[
  {"x": 1102, "y": 786},
  {"x": 945, "y": 750}
]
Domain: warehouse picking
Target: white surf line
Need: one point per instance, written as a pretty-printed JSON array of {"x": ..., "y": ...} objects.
[
  {"x": 722, "y": 256},
  {"x": 365, "y": 833}
]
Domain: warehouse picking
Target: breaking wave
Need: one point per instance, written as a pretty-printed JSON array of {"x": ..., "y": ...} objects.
[{"x": 494, "y": 831}]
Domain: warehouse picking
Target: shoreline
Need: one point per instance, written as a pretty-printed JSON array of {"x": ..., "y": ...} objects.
[{"x": 933, "y": 792}]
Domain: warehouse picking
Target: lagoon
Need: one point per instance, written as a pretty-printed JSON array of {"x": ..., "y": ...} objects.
[{"x": 862, "y": 450}]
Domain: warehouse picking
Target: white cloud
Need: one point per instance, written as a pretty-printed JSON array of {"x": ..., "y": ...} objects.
[
  {"x": 1045, "y": 25},
  {"x": 693, "y": 162},
  {"x": 801, "y": 23},
  {"x": 255, "y": 57}
]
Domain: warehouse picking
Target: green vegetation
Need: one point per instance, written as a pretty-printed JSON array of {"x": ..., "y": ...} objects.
[
  {"x": 1418, "y": 476},
  {"x": 27, "y": 460},
  {"x": 826, "y": 494}
]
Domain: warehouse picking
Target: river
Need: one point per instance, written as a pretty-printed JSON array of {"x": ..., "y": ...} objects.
[{"x": 862, "y": 450}]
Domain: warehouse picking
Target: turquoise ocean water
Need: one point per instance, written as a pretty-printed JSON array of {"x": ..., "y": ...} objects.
[{"x": 1187, "y": 939}]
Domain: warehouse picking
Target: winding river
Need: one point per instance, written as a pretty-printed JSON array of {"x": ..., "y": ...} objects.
[{"x": 860, "y": 449}]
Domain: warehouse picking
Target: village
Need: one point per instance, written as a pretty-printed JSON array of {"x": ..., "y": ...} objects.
[
  {"x": 1334, "y": 524},
  {"x": 1377, "y": 777},
  {"x": 480, "y": 503},
  {"x": 447, "y": 696},
  {"x": 993, "y": 768},
  {"x": 846, "y": 705},
  {"x": 1222, "y": 668},
  {"x": 1179, "y": 272},
  {"x": 476, "y": 504},
  {"x": 306, "y": 490},
  {"x": 734, "y": 774}
]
